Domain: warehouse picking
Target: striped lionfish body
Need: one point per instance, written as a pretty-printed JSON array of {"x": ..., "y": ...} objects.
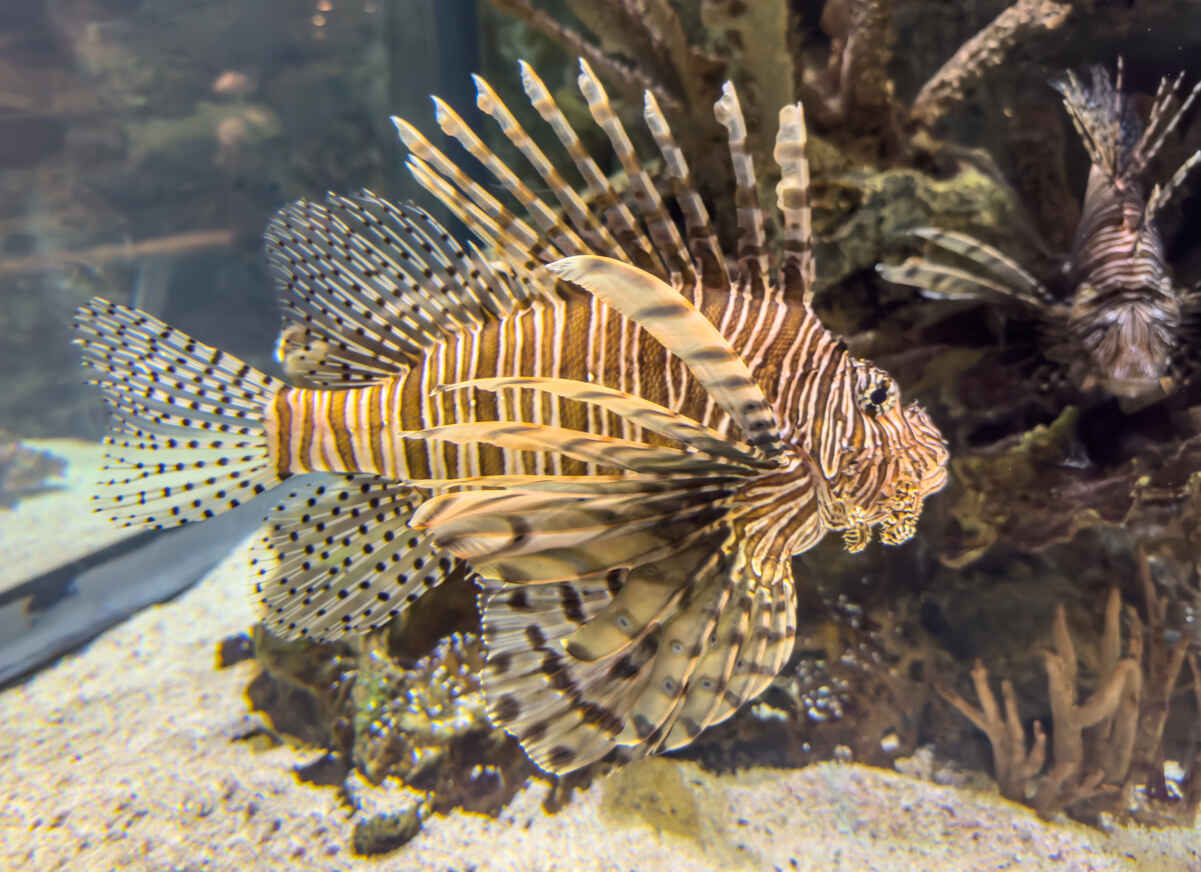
[
  {"x": 1113, "y": 312},
  {"x": 622, "y": 434}
]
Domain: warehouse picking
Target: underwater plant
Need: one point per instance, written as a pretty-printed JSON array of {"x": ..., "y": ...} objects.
[{"x": 623, "y": 432}]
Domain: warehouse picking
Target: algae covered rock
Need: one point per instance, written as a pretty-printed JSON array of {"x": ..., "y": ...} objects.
[
  {"x": 859, "y": 214},
  {"x": 24, "y": 471},
  {"x": 676, "y": 801},
  {"x": 384, "y": 714},
  {"x": 426, "y": 723}
]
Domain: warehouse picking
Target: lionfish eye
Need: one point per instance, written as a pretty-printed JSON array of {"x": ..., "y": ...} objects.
[{"x": 876, "y": 400}]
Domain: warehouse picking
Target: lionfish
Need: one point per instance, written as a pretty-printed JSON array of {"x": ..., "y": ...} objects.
[
  {"x": 622, "y": 433},
  {"x": 1112, "y": 312}
]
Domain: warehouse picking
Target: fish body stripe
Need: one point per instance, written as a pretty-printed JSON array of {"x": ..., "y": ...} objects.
[
  {"x": 1115, "y": 248},
  {"x": 355, "y": 429},
  {"x": 805, "y": 373}
]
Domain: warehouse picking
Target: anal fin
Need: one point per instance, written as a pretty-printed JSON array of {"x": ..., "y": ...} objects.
[{"x": 337, "y": 554}]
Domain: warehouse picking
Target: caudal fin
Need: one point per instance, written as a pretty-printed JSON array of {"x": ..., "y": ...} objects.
[{"x": 187, "y": 439}]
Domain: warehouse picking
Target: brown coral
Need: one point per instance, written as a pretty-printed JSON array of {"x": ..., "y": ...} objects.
[
  {"x": 985, "y": 51},
  {"x": 1107, "y": 747}
]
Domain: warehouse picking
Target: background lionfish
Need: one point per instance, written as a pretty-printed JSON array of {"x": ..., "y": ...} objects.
[
  {"x": 1112, "y": 312},
  {"x": 624, "y": 435}
]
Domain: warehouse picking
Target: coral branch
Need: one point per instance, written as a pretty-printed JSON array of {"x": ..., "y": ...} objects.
[
  {"x": 101, "y": 254},
  {"x": 633, "y": 80},
  {"x": 1013, "y": 764},
  {"x": 861, "y": 37},
  {"x": 986, "y": 50},
  {"x": 1115, "y": 702},
  {"x": 1103, "y": 745},
  {"x": 1191, "y": 786}
]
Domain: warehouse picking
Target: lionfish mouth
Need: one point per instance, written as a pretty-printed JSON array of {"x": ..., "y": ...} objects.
[{"x": 1137, "y": 387}]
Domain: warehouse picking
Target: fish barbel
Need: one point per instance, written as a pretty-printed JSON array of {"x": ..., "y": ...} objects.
[{"x": 622, "y": 433}]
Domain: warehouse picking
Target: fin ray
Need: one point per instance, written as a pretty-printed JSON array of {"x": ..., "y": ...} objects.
[{"x": 651, "y": 416}]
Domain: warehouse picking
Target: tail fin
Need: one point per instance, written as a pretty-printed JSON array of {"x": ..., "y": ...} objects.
[{"x": 188, "y": 439}]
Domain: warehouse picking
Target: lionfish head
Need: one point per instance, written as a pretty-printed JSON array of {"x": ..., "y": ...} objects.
[
  {"x": 923, "y": 455},
  {"x": 1127, "y": 345},
  {"x": 897, "y": 458}
]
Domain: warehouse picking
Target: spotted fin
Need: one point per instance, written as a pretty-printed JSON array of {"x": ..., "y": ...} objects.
[
  {"x": 534, "y": 689},
  {"x": 754, "y": 638},
  {"x": 673, "y": 321},
  {"x": 642, "y": 658},
  {"x": 338, "y": 555},
  {"x": 186, "y": 440}
]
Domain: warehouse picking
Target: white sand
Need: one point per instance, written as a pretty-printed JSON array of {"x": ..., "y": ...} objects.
[{"x": 124, "y": 757}]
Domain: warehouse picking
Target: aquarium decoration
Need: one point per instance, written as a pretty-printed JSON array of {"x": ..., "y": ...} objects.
[
  {"x": 1107, "y": 750},
  {"x": 574, "y": 378}
]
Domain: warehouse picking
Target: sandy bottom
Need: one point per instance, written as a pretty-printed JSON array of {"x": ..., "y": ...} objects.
[
  {"x": 31, "y": 538},
  {"x": 127, "y": 756}
]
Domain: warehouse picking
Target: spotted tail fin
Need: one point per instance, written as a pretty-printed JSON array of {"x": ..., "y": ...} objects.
[{"x": 187, "y": 439}]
